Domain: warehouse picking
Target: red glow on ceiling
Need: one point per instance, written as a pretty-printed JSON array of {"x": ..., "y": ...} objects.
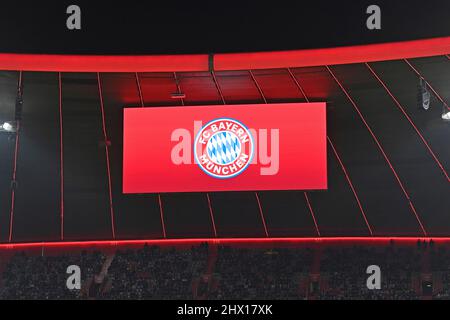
[{"x": 234, "y": 61}]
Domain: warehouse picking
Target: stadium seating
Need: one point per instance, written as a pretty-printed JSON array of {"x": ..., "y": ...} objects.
[{"x": 225, "y": 272}]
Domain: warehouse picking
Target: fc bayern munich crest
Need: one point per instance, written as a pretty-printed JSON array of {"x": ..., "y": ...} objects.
[{"x": 223, "y": 148}]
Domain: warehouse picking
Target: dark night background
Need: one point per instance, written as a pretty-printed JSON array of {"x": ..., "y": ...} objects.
[{"x": 150, "y": 27}]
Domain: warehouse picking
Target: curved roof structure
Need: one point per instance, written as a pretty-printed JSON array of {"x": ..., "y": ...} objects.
[{"x": 226, "y": 61}]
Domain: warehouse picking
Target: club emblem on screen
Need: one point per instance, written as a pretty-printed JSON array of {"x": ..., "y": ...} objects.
[{"x": 223, "y": 148}]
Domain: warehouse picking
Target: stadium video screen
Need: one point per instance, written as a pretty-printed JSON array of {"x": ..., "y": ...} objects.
[{"x": 225, "y": 148}]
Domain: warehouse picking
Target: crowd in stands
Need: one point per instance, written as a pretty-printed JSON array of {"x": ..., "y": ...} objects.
[
  {"x": 260, "y": 273},
  {"x": 44, "y": 277},
  {"x": 346, "y": 272},
  {"x": 156, "y": 273},
  {"x": 441, "y": 269},
  {"x": 224, "y": 272}
]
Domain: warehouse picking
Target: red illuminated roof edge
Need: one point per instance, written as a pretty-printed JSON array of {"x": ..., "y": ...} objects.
[
  {"x": 221, "y": 62},
  {"x": 229, "y": 241},
  {"x": 103, "y": 63}
]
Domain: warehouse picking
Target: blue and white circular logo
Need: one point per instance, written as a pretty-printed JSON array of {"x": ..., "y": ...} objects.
[{"x": 223, "y": 148}]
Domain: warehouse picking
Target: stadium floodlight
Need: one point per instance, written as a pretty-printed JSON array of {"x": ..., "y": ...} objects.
[
  {"x": 424, "y": 95},
  {"x": 7, "y": 126},
  {"x": 446, "y": 114}
]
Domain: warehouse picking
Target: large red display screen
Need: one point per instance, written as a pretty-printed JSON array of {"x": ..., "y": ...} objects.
[{"x": 225, "y": 148}]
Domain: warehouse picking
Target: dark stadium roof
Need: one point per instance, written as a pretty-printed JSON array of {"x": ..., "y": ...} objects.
[
  {"x": 388, "y": 159},
  {"x": 163, "y": 27}
]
